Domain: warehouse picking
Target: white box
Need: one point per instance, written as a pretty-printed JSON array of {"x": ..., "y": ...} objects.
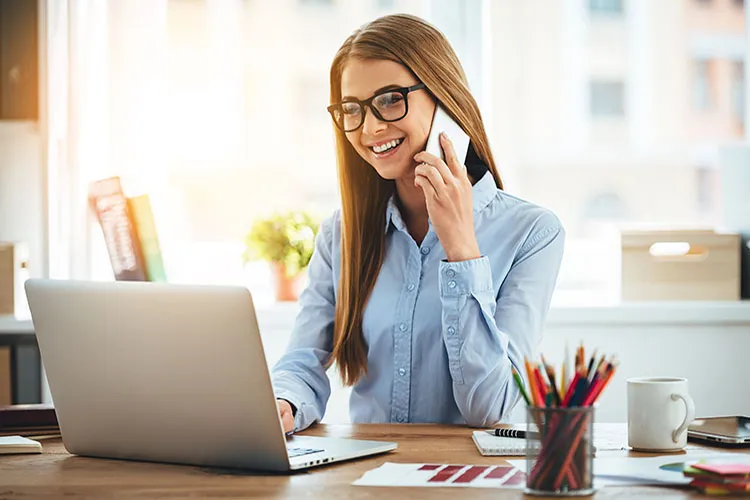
[
  {"x": 14, "y": 271},
  {"x": 680, "y": 265}
]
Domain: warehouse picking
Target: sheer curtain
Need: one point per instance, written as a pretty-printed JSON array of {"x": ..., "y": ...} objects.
[{"x": 104, "y": 106}]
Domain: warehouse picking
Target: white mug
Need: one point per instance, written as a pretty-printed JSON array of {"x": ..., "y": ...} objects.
[{"x": 659, "y": 412}]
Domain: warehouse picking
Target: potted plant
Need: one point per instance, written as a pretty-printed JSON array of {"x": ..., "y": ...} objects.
[{"x": 286, "y": 241}]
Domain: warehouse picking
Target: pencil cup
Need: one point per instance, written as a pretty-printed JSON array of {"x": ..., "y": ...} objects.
[{"x": 560, "y": 455}]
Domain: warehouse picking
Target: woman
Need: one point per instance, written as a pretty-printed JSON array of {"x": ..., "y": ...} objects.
[{"x": 431, "y": 282}]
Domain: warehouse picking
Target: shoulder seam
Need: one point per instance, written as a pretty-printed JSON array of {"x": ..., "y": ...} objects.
[{"x": 535, "y": 239}]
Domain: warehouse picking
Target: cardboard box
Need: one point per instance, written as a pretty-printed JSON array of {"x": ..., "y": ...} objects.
[
  {"x": 680, "y": 265},
  {"x": 13, "y": 273}
]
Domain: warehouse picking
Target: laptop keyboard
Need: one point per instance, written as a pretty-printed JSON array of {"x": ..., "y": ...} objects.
[{"x": 298, "y": 452}]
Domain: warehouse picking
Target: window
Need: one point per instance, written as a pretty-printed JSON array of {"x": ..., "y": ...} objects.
[
  {"x": 607, "y": 99},
  {"x": 595, "y": 125},
  {"x": 738, "y": 92},
  {"x": 703, "y": 98},
  {"x": 605, "y": 6},
  {"x": 706, "y": 186}
]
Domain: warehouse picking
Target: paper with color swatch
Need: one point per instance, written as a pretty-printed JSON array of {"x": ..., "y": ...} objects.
[{"x": 444, "y": 475}]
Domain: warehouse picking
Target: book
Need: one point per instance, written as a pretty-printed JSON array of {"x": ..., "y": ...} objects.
[
  {"x": 28, "y": 417},
  {"x": 491, "y": 445},
  {"x": 145, "y": 228},
  {"x": 19, "y": 444},
  {"x": 110, "y": 205}
]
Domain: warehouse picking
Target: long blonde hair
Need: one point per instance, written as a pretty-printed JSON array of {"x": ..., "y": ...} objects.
[{"x": 425, "y": 51}]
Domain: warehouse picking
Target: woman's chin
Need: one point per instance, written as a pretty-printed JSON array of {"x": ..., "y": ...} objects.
[{"x": 389, "y": 171}]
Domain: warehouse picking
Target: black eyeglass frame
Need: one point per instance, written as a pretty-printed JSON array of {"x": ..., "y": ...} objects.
[{"x": 404, "y": 91}]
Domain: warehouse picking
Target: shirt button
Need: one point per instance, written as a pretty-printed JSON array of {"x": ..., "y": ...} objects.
[
  {"x": 425, "y": 250},
  {"x": 401, "y": 372},
  {"x": 451, "y": 273},
  {"x": 402, "y": 327},
  {"x": 451, "y": 330},
  {"x": 411, "y": 286},
  {"x": 451, "y": 284}
]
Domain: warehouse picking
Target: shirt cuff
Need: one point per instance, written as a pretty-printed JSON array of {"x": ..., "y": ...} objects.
[
  {"x": 292, "y": 400},
  {"x": 465, "y": 277}
]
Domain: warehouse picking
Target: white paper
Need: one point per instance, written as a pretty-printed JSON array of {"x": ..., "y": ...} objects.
[
  {"x": 19, "y": 444},
  {"x": 444, "y": 475}
]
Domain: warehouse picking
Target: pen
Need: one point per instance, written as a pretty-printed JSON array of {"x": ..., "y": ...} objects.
[{"x": 514, "y": 433}]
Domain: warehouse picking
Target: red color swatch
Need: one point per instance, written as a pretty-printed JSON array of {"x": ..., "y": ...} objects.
[
  {"x": 517, "y": 478},
  {"x": 499, "y": 472},
  {"x": 430, "y": 467},
  {"x": 471, "y": 474},
  {"x": 445, "y": 474}
]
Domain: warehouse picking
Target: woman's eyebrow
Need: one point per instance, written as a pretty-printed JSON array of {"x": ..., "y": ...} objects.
[{"x": 381, "y": 89}]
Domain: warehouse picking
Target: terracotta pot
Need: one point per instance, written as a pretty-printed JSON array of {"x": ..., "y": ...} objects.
[{"x": 287, "y": 288}]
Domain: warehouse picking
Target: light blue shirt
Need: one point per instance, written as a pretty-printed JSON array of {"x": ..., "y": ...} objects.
[{"x": 441, "y": 336}]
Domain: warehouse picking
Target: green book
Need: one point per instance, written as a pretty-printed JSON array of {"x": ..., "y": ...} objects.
[{"x": 145, "y": 227}]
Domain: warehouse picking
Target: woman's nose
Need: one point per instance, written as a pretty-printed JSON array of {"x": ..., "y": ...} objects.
[{"x": 372, "y": 125}]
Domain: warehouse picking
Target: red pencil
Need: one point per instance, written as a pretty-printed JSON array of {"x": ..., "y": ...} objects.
[
  {"x": 594, "y": 395},
  {"x": 571, "y": 389},
  {"x": 542, "y": 386}
]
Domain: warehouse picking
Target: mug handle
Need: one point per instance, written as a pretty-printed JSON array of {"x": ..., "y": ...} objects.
[{"x": 689, "y": 415}]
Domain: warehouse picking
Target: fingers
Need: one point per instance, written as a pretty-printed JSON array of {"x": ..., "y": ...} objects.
[
  {"x": 285, "y": 412},
  {"x": 434, "y": 176},
  {"x": 454, "y": 164},
  {"x": 426, "y": 185}
]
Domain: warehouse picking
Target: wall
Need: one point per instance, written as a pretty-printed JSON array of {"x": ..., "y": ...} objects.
[
  {"x": 705, "y": 342},
  {"x": 21, "y": 213}
]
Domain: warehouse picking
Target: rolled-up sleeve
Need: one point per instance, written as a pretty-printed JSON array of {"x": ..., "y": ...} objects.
[
  {"x": 486, "y": 334},
  {"x": 300, "y": 375}
]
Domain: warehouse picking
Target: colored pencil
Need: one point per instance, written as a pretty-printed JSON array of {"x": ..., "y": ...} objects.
[
  {"x": 590, "y": 370},
  {"x": 564, "y": 372},
  {"x": 541, "y": 385},
  {"x": 519, "y": 383},
  {"x": 532, "y": 383}
]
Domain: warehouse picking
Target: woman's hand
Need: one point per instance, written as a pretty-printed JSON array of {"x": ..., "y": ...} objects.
[
  {"x": 287, "y": 418},
  {"x": 447, "y": 190}
]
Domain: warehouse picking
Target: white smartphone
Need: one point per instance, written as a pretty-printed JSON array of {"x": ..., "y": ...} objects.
[{"x": 442, "y": 122}]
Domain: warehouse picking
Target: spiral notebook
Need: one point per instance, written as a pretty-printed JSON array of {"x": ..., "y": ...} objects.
[
  {"x": 490, "y": 445},
  {"x": 607, "y": 437}
]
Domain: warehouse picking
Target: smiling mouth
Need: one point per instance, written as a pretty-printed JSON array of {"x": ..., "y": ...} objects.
[{"x": 387, "y": 148}]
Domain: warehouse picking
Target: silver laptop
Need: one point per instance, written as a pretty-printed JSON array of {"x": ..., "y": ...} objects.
[{"x": 167, "y": 373}]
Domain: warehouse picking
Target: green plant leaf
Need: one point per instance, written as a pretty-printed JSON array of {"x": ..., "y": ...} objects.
[{"x": 287, "y": 238}]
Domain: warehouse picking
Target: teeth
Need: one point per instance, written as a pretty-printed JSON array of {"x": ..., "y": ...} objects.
[{"x": 388, "y": 145}]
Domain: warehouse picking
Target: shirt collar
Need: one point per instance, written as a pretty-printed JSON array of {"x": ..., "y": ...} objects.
[{"x": 482, "y": 193}]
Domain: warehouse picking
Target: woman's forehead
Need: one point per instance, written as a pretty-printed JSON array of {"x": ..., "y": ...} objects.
[{"x": 361, "y": 78}]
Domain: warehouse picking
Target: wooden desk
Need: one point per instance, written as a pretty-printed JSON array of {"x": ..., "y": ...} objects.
[{"x": 57, "y": 473}]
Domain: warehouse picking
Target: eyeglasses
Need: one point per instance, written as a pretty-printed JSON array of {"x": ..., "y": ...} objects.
[{"x": 388, "y": 106}]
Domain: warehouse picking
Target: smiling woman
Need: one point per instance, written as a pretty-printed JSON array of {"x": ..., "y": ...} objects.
[{"x": 416, "y": 235}]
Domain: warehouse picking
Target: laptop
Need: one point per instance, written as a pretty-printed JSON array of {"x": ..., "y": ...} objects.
[
  {"x": 731, "y": 430},
  {"x": 168, "y": 373}
]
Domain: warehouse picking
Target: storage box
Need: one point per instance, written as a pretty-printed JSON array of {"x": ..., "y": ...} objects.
[
  {"x": 680, "y": 265},
  {"x": 13, "y": 273}
]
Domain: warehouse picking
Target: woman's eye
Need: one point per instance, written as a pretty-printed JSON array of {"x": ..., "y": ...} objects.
[
  {"x": 389, "y": 99},
  {"x": 350, "y": 109}
]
